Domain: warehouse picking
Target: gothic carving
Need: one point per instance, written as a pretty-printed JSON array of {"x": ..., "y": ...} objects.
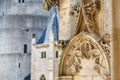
[
  {"x": 75, "y": 12},
  {"x": 47, "y": 4},
  {"x": 90, "y": 12},
  {"x": 84, "y": 56},
  {"x": 62, "y": 44},
  {"x": 105, "y": 43}
]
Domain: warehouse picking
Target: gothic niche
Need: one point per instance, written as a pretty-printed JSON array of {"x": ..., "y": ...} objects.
[
  {"x": 91, "y": 9},
  {"x": 89, "y": 18},
  {"x": 85, "y": 58}
]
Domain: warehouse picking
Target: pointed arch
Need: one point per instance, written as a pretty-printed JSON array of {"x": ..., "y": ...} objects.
[
  {"x": 84, "y": 56},
  {"x": 42, "y": 77}
]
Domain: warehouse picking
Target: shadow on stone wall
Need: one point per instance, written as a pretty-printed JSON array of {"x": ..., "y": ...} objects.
[{"x": 27, "y": 77}]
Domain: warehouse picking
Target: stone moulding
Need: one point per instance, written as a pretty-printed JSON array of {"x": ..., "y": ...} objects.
[{"x": 42, "y": 45}]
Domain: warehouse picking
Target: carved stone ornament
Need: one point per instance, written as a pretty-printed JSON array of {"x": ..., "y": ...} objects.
[
  {"x": 89, "y": 18},
  {"x": 47, "y": 4},
  {"x": 90, "y": 11},
  {"x": 75, "y": 12},
  {"x": 105, "y": 44},
  {"x": 85, "y": 57}
]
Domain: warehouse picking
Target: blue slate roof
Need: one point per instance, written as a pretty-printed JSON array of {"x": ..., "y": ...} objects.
[
  {"x": 55, "y": 30},
  {"x": 42, "y": 38}
]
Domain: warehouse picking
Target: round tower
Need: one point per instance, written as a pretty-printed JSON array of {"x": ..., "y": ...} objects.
[{"x": 19, "y": 19}]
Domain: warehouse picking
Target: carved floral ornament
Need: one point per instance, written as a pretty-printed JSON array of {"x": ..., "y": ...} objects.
[
  {"x": 85, "y": 57},
  {"x": 105, "y": 44}
]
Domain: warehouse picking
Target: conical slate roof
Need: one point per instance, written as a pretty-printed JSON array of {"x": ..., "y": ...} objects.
[{"x": 54, "y": 27}]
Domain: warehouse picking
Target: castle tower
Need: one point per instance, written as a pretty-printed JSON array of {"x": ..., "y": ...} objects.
[
  {"x": 19, "y": 19},
  {"x": 46, "y": 52}
]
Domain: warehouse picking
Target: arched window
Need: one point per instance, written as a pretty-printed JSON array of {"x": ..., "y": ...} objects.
[{"x": 42, "y": 77}]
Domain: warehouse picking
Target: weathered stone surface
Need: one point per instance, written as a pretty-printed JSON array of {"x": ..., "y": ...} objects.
[
  {"x": 49, "y": 66},
  {"x": 18, "y": 21},
  {"x": 14, "y": 66}
]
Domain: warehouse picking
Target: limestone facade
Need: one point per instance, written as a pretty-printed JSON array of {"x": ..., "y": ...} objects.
[{"x": 47, "y": 66}]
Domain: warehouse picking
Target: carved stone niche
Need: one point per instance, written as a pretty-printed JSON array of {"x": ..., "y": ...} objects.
[
  {"x": 91, "y": 9},
  {"x": 84, "y": 59},
  {"x": 89, "y": 18}
]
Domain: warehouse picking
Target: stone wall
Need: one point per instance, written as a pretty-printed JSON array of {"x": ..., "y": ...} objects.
[
  {"x": 14, "y": 66},
  {"x": 18, "y": 21},
  {"x": 48, "y": 66},
  {"x": 15, "y": 31},
  {"x": 69, "y": 11},
  {"x": 28, "y": 7}
]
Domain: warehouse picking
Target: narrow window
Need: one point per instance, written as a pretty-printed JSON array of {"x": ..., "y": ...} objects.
[
  {"x": 3, "y": 13},
  {"x": 44, "y": 54},
  {"x": 19, "y": 65},
  {"x": 41, "y": 54},
  {"x": 23, "y": 1},
  {"x": 19, "y": 1},
  {"x": 25, "y": 48},
  {"x": 57, "y": 54},
  {"x": 27, "y": 30},
  {"x": 33, "y": 35}
]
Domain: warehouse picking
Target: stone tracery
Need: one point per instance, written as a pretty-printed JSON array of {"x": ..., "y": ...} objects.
[
  {"x": 87, "y": 58},
  {"x": 90, "y": 11}
]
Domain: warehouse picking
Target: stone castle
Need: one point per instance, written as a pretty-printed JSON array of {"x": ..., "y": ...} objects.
[
  {"x": 19, "y": 21},
  {"x": 68, "y": 40}
]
